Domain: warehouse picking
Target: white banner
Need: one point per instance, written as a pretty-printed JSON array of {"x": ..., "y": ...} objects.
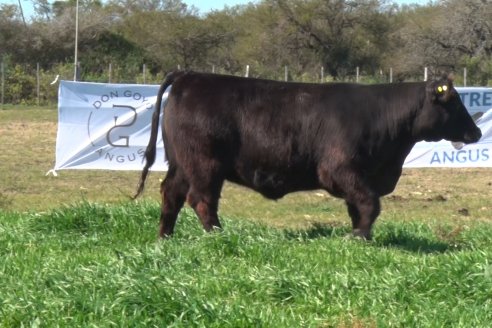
[
  {"x": 107, "y": 126},
  {"x": 447, "y": 154},
  {"x": 476, "y": 100}
]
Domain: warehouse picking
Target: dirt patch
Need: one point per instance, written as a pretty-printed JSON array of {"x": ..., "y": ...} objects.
[
  {"x": 437, "y": 198},
  {"x": 396, "y": 198},
  {"x": 448, "y": 235}
]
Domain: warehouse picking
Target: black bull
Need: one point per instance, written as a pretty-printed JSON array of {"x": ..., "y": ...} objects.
[{"x": 274, "y": 137}]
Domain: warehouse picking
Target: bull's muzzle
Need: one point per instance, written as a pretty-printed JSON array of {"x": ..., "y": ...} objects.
[{"x": 473, "y": 136}]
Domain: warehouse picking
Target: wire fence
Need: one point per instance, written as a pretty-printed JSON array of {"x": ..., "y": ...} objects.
[{"x": 30, "y": 84}]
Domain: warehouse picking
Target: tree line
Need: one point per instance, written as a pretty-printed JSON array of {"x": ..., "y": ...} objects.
[{"x": 300, "y": 40}]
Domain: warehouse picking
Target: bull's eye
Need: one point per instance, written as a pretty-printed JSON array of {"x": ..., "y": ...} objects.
[{"x": 442, "y": 88}]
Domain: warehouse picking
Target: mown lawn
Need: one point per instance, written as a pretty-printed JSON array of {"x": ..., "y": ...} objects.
[{"x": 92, "y": 265}]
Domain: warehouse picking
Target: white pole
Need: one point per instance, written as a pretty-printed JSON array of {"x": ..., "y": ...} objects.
[
  {"x": 110, "y": 72},
  {"x": 322, "y": 74},
  {"x": 286, "y": 73},
  {"x": 144, "y": 69},
  {"x": 3, "y": 79},
  {"x": 391, "y": 74},
  {"x": 247, "y": 71},
  {"x": 425, "y": 74},
  {"x": 213, "y": 69},
  {"x": 76, "y": 41},
  {"x": 357, "y": 74},
  {"x": 37, "y": 82}
]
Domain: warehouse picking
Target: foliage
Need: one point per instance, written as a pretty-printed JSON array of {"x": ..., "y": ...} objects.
[
  {"x": 479, "y": 69},
  {"x": 19, "y": 86},
  {"x": 343, "y": 34},
  {"x": 21, "y": 83},
  {"x": 305, "y": 37}
]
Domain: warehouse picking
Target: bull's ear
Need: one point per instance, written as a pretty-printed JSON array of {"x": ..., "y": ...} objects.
[{"x": 447, "y": 76}]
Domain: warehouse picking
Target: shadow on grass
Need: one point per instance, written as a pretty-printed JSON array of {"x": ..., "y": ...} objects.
[
  {"x": 416, "y": 244},
  {"x": 318, "y": 230},
  {"x": 403, "y": 238},
  {"x": 416, "y": 238}
]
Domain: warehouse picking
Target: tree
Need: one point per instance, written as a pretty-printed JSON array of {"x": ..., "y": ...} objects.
[
  {"x": 42, "y": 8},
  {"x": 173, "y": 37},
  {"x": 343, "y": 34},
  {"x": 10, "y": 26},
  {"x": 267, "y": 41},
  {"x": 444, "y": 36},
  {"x": 129, "y": 7}
]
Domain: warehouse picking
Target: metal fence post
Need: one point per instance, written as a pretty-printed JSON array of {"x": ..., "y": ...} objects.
[
  {"x": 3, "y": 80},
  {"x": 144, "y": 70},
  {"x": 37, "y": 83},
  {"x": 110, "y": 72},
  {"x": 77, "y": 72}
]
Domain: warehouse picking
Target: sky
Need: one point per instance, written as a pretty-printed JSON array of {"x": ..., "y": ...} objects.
[{"x": 203, "y": 6}]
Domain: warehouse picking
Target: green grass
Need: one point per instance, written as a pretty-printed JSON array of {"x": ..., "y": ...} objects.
[
  {"x": 92, "y": 265},
  {"x": 75, "y": 253}
]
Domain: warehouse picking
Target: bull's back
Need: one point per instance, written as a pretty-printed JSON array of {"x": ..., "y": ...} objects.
[{"x": 266, "y": 135}]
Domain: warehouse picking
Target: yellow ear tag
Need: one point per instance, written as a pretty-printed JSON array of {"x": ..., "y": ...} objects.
[{"x": 439, "y": 89}]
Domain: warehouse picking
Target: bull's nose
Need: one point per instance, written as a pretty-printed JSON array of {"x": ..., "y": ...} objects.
[
  {"x": 478, "y": 134},
  {"x": 474, "y": 136}
]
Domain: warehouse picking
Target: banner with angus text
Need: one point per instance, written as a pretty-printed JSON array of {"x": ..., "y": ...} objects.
[
  {"x": 478, "y": 101},
  {"x": 107, "y": 126},
  {"x": 451, "y": 154}
]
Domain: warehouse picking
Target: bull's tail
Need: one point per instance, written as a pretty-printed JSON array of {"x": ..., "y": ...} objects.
[{"x": 150, "y": 152}]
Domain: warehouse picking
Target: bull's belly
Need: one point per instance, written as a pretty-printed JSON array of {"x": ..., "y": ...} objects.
[
  {"x": 274, "y": 184},
  {"x": 385, "y": 180}
]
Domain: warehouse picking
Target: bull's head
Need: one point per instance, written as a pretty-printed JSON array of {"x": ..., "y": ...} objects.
[{"x": 444, "y": 116}]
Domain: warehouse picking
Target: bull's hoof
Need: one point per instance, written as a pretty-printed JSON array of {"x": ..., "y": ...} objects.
[
  {"x": 213, "y": 228},
  {"x": 362, "y": 234},
  {"x": 163, "y": 236}
]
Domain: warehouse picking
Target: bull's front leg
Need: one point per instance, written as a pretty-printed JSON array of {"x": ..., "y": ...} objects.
[
  {"x": 362, "y": 202},
  {"x": 363, "y": 215}
]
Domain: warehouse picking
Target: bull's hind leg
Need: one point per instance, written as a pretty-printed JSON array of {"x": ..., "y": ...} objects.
[
  {"x": 206, "y": 205},
  {"x": 204, "y": 194},
  {"x": 173, "y": 191}
]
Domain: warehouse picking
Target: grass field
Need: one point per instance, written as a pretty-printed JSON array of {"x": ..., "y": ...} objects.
[{"x": 74, "y": 252}]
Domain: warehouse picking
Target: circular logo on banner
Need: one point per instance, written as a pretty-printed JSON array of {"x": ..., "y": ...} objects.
[{"x": 113, "y": 123}]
